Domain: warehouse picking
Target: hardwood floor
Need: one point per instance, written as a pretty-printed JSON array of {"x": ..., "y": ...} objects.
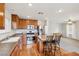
[
  {"x": 31, "y": 50},
  {"x": 34, "y": 49}
]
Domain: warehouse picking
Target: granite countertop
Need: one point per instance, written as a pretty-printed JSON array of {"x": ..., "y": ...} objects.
[
  {"x": 11, "y": 40},
  {"x": 7, "y": 46},
  {"x": 5, "y": 35}
]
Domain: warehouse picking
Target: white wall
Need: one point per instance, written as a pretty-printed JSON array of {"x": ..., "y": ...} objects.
[
  {"x": 71, "y": 31},
  {"x": 63, "y": 29},
  {"x": 8, "y": 21},
  {"x": 77, "y": 29},
  {"x": 53, "y": 27}
]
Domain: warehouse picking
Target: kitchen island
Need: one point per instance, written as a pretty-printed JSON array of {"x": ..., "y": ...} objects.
[{"x": 8, "y": 45}]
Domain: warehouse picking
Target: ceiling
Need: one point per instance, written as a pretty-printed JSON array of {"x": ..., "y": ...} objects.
[{"x": 50, "y": 11}]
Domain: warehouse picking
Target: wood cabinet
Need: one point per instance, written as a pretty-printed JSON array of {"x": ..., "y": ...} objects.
[
  {"x": 15, "y": 18},
  {"x": 23, "y": 23},
  {"x": 2, "y": 15},
  {"x": 33, "y": 22},
  {"x": 15, "y": 21}
]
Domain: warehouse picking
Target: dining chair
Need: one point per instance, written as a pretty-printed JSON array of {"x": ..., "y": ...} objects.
[{"x": 56, "y": 43}]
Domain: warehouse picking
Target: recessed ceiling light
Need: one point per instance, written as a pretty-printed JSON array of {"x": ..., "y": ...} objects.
[
  {"x": 60, "y": 11},
  {"x": 30, "y": 4}
]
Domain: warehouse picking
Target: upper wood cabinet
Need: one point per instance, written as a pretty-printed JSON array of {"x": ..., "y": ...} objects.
[
  {"x": 20, "y": 23},
  {"x": 33, "y": 22},
  {"x": 2, "y": 15},
  {"x": 15, "y": 21},
  {"x": 23, "y": 23},
  {"x": 15, "y": 18}
]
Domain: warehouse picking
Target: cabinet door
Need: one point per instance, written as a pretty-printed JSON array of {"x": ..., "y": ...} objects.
[
  {"x": 2, "y": 16},
  {"x": 24, "y": 23},
  {"x": 34, "y": 23},
  {"x": 15, "y": 19},
  {"x": 20, "y": 24}
]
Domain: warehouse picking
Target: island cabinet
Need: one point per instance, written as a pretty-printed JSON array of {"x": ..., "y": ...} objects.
[{"x": 2, "y": 15}]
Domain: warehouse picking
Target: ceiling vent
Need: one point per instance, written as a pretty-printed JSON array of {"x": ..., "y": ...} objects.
[{"x": 41, "y": 13}]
